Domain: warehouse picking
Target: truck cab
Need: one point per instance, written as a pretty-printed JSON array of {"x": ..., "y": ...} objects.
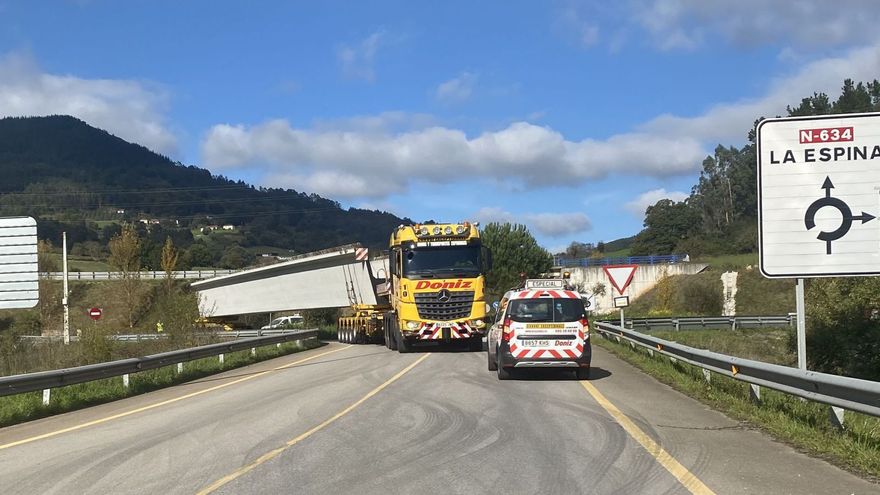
[{"x": 540, "y": 325}]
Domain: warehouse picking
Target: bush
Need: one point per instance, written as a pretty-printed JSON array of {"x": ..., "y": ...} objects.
[
  {"x": 701, "y": 295},
  {"x": 843, "y": 326}
]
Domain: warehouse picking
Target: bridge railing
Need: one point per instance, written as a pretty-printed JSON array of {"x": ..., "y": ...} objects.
[
  {"x": 46, "y": 380},
  {"x": 840, "y": 392},
  {"x": 144, "y": 275},
  {"x": 629, "y": 260}
]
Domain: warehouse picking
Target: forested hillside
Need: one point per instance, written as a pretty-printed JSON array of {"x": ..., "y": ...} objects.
[
  {"x": 721, "y": 214},
  {"x": 77, "y": 178}
]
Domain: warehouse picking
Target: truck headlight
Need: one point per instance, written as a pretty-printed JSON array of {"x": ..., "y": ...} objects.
[
  {"x": 478, "y": 323},
  {"x": 412, "y": 325}
]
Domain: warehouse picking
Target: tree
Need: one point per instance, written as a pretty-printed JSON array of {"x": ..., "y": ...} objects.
[
  {"x": 666, "y": 224},
  {"x": 126, "y": 259},
  {"x": 579, "y": 250},
  {"x": 170, "y": 256},
  {"x": 200, "y": 256},
  {"x": 235, "y": 257},
  {"x": 515, "y": 252}
]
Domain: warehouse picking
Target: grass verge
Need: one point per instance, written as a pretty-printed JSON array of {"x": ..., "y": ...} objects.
[
  {"x": 29, "y": 406},
  {"x": 804, "y": 425}
]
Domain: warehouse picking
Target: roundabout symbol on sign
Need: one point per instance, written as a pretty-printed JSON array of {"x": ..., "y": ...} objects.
[{"x": 845, "y": 212}]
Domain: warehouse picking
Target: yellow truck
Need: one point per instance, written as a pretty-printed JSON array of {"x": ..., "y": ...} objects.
[{"x": 433, "y": 291}]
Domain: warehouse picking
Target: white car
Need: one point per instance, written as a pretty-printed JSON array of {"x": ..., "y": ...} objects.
[
  {"x": 543, "y": 325},
  {"x": 295, "y": 321}
]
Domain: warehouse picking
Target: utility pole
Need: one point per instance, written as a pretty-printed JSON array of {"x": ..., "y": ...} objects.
[{"x": 65, "y": 301}]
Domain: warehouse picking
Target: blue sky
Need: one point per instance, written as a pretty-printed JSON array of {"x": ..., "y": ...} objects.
[{"x": 568, "y": 116}]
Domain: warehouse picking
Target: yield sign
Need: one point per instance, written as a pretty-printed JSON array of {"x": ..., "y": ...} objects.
[{"x": 620, "y": 275}]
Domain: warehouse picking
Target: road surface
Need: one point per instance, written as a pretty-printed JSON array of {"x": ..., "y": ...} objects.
[{"x": 366, "y": 420}]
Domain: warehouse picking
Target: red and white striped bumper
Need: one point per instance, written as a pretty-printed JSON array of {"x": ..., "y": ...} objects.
[{"x": 433, "y": 331}]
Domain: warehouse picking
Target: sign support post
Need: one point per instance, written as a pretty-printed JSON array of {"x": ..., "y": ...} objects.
[
  {"x": 801, "y": 326},
  {"x": 65, "y": 301}
]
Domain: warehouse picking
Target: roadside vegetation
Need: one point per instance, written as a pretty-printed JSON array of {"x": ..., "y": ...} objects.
[
  {"x": 805, "y": 425},
  {"x": 29, "y": 406}
]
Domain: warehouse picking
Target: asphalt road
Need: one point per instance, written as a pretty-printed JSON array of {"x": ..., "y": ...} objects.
[{"x": 366, "y": 420}]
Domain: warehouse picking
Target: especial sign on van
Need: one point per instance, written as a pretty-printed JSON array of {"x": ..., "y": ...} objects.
[{"x": 819, "y": 196}]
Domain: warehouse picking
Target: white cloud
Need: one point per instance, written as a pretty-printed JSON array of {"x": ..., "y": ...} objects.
[
  {"x": 346, "y": 158},
  {"x": 547, "y": 224},
  {"x": 729, "y": 122},
  {"x": 686, "y": 24},
  {"x": 129, "y": 109},
  {"x": 357, "y": 60},
  {"x": 457, "y": 89},
  {"x": 575, "y": 21},
  {"x": 649, "y": 198},
  {"x": 348, "y": 163}
]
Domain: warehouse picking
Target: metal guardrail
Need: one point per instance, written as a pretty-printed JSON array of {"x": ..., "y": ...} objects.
[
  {"x": 138, "y": 337},
  {"x": 144, "y": 275},
  {"x": 839, "y": 391},
  {"x": 629, "y": 260},
  {"x": 708, "y": 322},
  {"x": 43, "y": 380}
]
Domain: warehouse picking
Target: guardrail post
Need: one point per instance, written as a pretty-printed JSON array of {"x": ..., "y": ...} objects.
[
  {"x": 221, "y": 357},
  {"x": 755, "y": 393},
  {"x": 278, "y": 345},
  {"x": 47, "y": 394},
  {"x": 253, "y": 351},
  {"x": 677, "y": 327},
  {"x": 707, "y": 375},
  {"x": 125, "y": 380},
  {"x": 835, "y": 414},
  {"x": 733, "y": 323},
  {"x": 179, "y": 368},
  {"x": 650, "y": 352}
]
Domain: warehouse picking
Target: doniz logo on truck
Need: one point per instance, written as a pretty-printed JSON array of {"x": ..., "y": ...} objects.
[{"x": 456, "y": 284}]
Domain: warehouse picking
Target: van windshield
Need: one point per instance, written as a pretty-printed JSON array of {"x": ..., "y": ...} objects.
[{"x": 546, "y": 310}]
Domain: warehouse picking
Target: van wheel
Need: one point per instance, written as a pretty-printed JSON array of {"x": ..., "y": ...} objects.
[
  {"x": 504, "y": 373},
  {"x": 493, "y": 365},
  {"x": 583, "y": 373}
]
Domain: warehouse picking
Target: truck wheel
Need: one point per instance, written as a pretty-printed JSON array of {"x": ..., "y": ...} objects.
[
  {"x": 504, "y": 373},
  {"x": 392, "y": 338},
  {"x": 402, "y": 345},
  {"x": 493, "y": 365},
  {"x": 583, "y": 373}
]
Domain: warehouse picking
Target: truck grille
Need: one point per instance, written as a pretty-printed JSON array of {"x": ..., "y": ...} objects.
[{"x": 431, "y": 307}]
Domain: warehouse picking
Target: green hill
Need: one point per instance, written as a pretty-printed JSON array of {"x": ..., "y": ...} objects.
[{"x": 74, "y": 177}]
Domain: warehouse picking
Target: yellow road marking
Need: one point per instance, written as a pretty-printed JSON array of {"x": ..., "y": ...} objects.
[
  {"x": 290, "y": 443},
  {"x": 163, "y": 403},
  {"x": 664, "y": 458}
]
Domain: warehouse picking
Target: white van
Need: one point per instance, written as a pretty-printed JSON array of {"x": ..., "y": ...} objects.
[
  {"x": 294, "y": 321},
  {"x": 542, "y": 325}
]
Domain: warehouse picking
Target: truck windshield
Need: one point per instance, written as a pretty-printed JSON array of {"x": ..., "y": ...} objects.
[
  {"x": 546, "y": 310},
  {"x": 442, "y": 261}
]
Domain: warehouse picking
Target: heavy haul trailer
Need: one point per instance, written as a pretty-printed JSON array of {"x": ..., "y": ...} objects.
[{"x": 433, "y": 291}]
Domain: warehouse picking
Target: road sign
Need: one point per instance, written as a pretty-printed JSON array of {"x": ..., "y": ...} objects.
[
  {"x": 620, "y": 276},
  {"x": 95, "y": 313},
  {"x": 819, "y": 196},
  {"x": 19, "y": 282}
]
